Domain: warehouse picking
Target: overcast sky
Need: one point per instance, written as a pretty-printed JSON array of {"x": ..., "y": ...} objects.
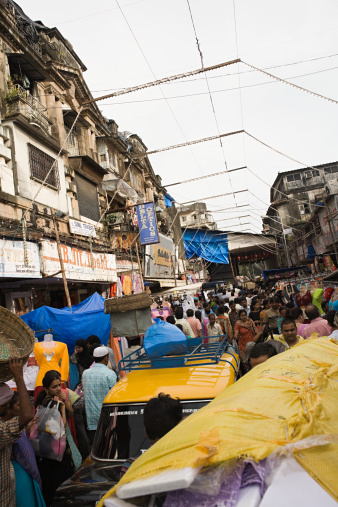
[{"x": 126, "y": 46}]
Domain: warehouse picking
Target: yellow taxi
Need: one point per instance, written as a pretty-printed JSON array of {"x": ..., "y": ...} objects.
[{"x": 195, "y": 378}]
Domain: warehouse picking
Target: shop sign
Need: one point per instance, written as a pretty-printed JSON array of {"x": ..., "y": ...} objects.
[
  {"x": 162, "y": 256},
  {"x": 125, "y": 265},
  {"x": 147, "y": 223},
  {"x": 79, "y": 264},
  {"x": 12, "y": 259},
  {"x": 81, "y": 228}
]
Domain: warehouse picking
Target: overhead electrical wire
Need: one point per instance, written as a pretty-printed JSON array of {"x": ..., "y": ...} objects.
[
  {"x": 203, "y": 177},
  {"x": 248, "y": 72}
]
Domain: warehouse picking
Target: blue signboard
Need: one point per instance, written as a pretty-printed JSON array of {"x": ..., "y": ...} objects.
[{"x": 147, "y": 223}]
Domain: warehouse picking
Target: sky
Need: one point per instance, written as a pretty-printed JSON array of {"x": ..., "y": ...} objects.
[{"x": 124, "y": 43}]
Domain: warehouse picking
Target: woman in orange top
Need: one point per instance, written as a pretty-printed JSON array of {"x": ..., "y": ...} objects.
[{"x": 245, "y": 332}]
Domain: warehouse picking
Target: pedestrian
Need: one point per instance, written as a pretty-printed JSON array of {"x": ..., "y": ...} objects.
[
  {"x": 214, "y": 330},
  {"x": 161, "y": 415},
  {"x": 195, "y": 324},
  {"x": 317, "y": 324},
  {"x": 233, "y": 314},
  {"x": 97, "y": 381},
  {"x": 244, "y": 304},
  {"x": 53, "y": 473},
  {"x": 204, "y": 322},
  {"x": 81, "y": 357},
  {"x": 266, "y": 306},
  {"x": 245, "y": 331},
  {"x": 95, "y": 340},
  {"x": 223, "y": 320},
  {"x": 272, "y": 315},
  {"x": 185, "y": 325},
  {"x": 297, "y": 315},
  {"x": 260, "y": 353},
  {"x": 10, "y": 431},
  {"x": 27, "y": 477},
  {"x": 254, "y": 315},
  {"x": 171, "y": 319},
  {"x": 332, "y": 318},
  {"x": 289, "y": 337},
  {"x": 282, "y": 313}
]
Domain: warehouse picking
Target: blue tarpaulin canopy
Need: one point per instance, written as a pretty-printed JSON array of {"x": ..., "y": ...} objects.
[
  {"x": 70, "y": 324},
  {"x": 209, "y": 245}
]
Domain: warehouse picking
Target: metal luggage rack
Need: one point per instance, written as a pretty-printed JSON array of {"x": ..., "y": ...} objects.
[{"x": 198, "y": 354}]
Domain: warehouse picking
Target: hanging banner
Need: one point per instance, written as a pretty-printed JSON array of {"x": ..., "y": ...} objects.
[
  {"x": 147, "y": 223},
  {"x": 79, "y": 264},
  {"x": 162, "y": 256},
  {"x": 12, "y": 259}
]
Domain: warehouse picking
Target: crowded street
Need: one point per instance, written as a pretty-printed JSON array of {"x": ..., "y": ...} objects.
[{"x": 168, "y": 260}]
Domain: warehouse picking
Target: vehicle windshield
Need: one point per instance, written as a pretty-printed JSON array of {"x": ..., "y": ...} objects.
[{"x": 120, "y": 433}]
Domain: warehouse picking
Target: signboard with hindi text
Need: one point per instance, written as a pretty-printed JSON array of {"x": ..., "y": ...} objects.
[
  {"x": 79, "y": 264},
  {"x": 147, "y": 223}
]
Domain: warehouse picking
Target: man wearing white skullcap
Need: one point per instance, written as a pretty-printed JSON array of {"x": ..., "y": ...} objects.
[
  {"x": 10, "y": 431},
  {"x": 97, "y": 381}
]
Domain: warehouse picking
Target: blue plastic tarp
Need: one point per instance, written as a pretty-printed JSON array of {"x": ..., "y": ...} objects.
[
  {"x": 168, "y": 200},
  {"x": 70, "y": 324},
  {"x": 209, "y": 245}
]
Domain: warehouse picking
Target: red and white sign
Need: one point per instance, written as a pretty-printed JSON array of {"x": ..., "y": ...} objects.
[{"x": 79, "y": 264}]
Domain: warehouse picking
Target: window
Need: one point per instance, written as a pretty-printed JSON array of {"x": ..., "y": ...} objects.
[
  {"x": 42, "y": 165},
  {"x": 194, "y": 217},
  {"x": 331, "y": 170},
  {"x": 88, "y": 198},
  {"x": 306, "y": 208},
  {"x": 184, "y": 219},
  {"x": 293, "y": 177},
  {"x": 103, "y": 157}
]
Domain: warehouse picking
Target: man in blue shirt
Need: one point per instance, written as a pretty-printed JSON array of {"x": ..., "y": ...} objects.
[{"x": 97, "y": 381}]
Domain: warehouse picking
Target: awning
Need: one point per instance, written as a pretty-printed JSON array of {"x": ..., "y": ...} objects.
[
  {"x": 167, "y": 282},
  {"x": 123, "y": 189}
]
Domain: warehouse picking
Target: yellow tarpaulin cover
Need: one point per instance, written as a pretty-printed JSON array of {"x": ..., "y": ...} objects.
[{"x": 292, "y": 396}]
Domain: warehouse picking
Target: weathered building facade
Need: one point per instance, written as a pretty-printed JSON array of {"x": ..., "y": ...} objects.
[
  {"x": 302, "y": 212},
  {"x": 62, "y": 164}
]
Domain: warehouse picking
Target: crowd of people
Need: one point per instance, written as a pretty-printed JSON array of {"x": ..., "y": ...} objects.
[
  {"x": 40, "y": 476},
  {"x": 255, "y": 320},
  {"x": 260, "y": 324}
]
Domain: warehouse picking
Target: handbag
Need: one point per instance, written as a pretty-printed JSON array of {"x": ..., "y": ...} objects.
[{"x": 48, "y": 436}]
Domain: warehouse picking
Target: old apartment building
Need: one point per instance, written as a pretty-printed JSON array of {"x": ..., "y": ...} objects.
[
  {"x": 302, "y": 213},
  {"x": 62, "y": 164}
]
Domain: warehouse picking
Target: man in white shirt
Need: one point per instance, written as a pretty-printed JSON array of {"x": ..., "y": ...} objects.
[
  {"x": 214, "y": 329},
  {"x": 185, "y": 325}
]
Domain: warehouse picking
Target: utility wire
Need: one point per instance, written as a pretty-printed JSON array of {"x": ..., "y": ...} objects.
[
  {"x": 247, "y": 71},
  {"x": 203, "y": 177},
  {"x": 291, "y": 84},
  {"x": 157, "y": 82}
]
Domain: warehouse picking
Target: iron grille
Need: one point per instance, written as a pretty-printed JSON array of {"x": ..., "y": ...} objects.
[
  {"x": 88, "y": 198},
  {"x": 40, "y": 165}
]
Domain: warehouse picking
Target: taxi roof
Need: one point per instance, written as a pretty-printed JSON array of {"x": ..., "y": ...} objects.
[{"x": 205, "y": 381}]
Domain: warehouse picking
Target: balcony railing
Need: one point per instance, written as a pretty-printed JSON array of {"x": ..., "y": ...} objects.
[
  {"x": 76, "y": 147},
  {"x": 20, "y": 101}
]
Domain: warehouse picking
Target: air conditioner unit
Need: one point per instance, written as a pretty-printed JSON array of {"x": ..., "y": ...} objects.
[{"x": 331, "y": 187}]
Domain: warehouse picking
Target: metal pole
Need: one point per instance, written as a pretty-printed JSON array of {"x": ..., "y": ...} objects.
[
  {"x": 139, "y": 266},
  {"x": 174, "y": 267},
  {"x": 69, "y": 304},
  {"x": 331, "y": 232}
]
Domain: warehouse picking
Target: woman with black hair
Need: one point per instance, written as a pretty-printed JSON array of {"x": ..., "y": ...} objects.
[
  {"x": 81, "y": 357},
  {"x": 53, "y": 473}
]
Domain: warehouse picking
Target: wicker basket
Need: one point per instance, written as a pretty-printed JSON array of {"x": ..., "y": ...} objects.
[
  {"x": 16, "y": 340},
  {"x": 126, "y": 303}
]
